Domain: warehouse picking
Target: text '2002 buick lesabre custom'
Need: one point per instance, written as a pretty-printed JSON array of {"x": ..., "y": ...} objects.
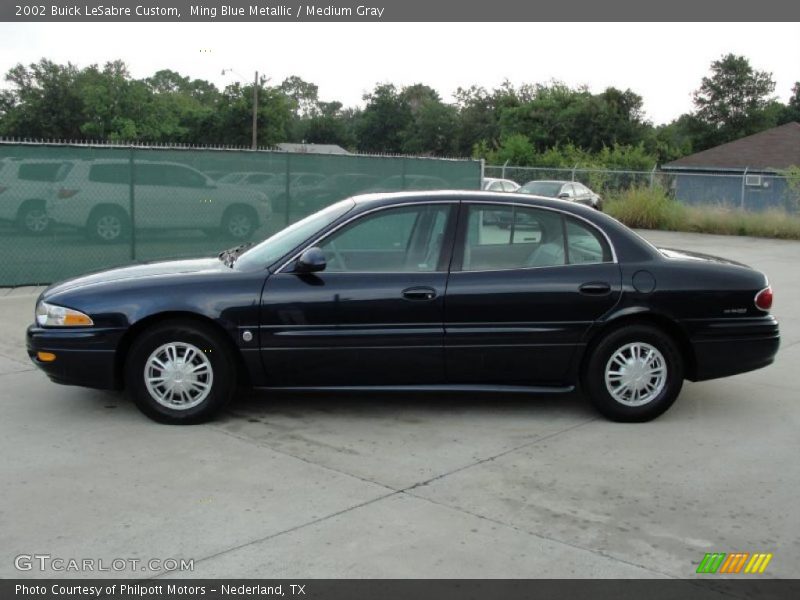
[{"x": 414, "y": 291}]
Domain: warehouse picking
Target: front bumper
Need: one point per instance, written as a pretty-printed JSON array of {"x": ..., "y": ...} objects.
[
  {"x": 731, "y": 346},
  {"x": 85, "y": 357}
]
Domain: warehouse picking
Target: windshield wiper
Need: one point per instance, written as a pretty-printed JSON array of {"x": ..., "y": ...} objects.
[{"x": 229, "y": 256}]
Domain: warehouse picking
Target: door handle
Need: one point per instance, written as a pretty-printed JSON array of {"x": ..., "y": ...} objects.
[
  {"x": 419, "y": 293},
  {"x": 595, "y": 288}
]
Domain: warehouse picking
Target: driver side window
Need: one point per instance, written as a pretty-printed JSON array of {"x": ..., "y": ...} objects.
[{"x": 394, "y": 240}]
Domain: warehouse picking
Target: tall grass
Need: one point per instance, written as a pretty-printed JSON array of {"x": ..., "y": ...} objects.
[{"x": 646, "y": 208}]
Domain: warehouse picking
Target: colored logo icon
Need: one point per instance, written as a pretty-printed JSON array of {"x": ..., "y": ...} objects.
[{"x": 734, "y": 563}]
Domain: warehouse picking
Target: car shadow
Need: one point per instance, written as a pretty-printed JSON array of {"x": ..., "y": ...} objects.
[{"x": 263, "y": 404}]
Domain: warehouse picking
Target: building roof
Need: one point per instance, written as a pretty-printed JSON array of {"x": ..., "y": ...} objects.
[
  {"x": 776, "y": 148},
  {"x": 313, "y": 148}
]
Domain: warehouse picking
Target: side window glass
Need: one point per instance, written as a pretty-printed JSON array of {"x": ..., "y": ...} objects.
[
  {"x": 511, "y": 237},
  {"x": 393, "y": 240},
  {"x": 110, "y": 173},
  {"x": 585, "y": 245}
]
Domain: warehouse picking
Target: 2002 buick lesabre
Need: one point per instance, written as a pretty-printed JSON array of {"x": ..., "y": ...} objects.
[{"x": 414, "y": 291}]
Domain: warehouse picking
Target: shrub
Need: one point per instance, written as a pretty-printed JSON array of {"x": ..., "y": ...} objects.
[{"x": 647, "y": 208}]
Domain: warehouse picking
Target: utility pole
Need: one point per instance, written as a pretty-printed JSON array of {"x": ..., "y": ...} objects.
[
  {"x": 255, "y": 112},
  {"x": 254, "y": 143}
]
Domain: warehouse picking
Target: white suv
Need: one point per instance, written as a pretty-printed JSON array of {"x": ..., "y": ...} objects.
[
  {"x": 24, "y": 188},
  {"x": 102, "y": 197}
]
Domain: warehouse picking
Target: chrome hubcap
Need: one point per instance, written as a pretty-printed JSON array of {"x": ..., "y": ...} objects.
[
  {"x": 178, "y": 375},
  {"x": 636, "y": 374},
  {"x": 239, "y": 225},
  {"x": 109, "y": 227}
]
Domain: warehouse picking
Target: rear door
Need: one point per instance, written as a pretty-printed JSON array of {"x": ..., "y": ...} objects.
[{"x": 519, "y": 300}]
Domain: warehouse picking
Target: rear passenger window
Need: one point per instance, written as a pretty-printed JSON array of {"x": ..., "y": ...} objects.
[
  {"x": 110, "y": 173},
  {"x": 511, "y": 237}
]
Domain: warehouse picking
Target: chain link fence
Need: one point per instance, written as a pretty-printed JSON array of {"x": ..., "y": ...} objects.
[
  {"x": 744, "y": 190},
  {"x": 71, "y": 209}
]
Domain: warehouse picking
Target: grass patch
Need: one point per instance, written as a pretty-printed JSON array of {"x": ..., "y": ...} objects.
[{"x": 646, "y": 208}]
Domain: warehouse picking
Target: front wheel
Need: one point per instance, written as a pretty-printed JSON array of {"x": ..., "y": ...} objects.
[
  {"x": 634, "y": 373},
  {"x": 239, "y": 223},
  {"x": 180, "y": 373}
]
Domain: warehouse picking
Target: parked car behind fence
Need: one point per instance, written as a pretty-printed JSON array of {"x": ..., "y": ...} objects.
[{"x": 102, "y": 197}]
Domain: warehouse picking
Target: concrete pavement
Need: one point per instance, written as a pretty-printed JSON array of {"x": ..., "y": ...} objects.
[{"x": 409, "y": 486}]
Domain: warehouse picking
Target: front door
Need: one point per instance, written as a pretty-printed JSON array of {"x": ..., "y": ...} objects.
[
  {"x": 374, "y": 316},
  {"x": 520, "y": 298}
]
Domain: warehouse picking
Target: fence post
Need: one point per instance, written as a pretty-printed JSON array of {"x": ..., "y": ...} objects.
[
  {"x": 744, "y": 179},
  {"x": 505, "y": 164},
  {"x": 653, "y": 176},
  {"x": 483, "y": 173},
  {"x": 132, "y": 201},
  {"x": 575, "y": 168},
  {"x": 288, "y": 185}
]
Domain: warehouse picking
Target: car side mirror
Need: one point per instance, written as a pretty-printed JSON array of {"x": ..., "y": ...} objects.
[
  {"x": 563, "y": 195},
  {"x": 311, "y": 261}
]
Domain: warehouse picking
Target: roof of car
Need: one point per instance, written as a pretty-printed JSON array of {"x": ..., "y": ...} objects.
[
  {"x": 410, "y": 197},
  {"x": 549, "y": 181}
]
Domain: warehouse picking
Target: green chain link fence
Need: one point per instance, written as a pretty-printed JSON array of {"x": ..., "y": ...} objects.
[{"x": 71, "y": 209}]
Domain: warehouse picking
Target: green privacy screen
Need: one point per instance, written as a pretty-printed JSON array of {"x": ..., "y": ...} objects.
[{"x": 67, "y": 210}]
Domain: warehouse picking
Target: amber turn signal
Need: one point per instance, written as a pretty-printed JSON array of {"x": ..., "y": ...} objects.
[{"x": 46, "y": 356}]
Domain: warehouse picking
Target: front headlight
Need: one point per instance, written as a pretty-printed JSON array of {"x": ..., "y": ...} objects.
[{"x": 50, "y": 315}]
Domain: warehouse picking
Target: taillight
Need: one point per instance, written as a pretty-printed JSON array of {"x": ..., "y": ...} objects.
[
  {"x": 764, "y": 299},
  {"x": 65, "y": 193}
]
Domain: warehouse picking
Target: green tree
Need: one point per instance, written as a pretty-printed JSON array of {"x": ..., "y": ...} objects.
[
  {"x": 330, "y": 125},
  {"x": 432, "y": 127},
  {"x": 382, "y": 123},
  {"x": 44, "y": 101},
  {"x": 734, "y": 101},
  {"x": 791, "y": 111}
]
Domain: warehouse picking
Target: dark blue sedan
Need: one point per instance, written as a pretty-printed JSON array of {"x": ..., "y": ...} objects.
[{"x": 415, "y": 291}]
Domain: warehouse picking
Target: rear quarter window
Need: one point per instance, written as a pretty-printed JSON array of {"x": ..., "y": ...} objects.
[{"x": 586, "y": 245}]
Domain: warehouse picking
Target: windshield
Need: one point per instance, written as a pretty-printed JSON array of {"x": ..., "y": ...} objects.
[
  {"x": 286, "y": 240},
  {"x": 549, "y": 189}
]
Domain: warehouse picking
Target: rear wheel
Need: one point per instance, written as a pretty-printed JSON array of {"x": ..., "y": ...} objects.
[
  {"x": 180, "y": 373},
  {"x": 634, "y": 373},
  {"x": 108, "y": 225}
]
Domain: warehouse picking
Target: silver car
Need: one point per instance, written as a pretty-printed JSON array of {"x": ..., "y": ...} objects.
[{"x": 572, "y": 191}]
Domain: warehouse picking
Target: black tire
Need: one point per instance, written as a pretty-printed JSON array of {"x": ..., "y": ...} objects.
[
  {"x": 108, "y": 225},
  {"x": 594, "y": 375},
  {"x": 239, "y": 223},
  {"x": 183, "y": 335},
  {"x": 32, "y": 218}
]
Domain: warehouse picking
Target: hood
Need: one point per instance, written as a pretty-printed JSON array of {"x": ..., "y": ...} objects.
[
  {"x": 686, "y": 255},
  {"x": 172, "y": 267}
]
